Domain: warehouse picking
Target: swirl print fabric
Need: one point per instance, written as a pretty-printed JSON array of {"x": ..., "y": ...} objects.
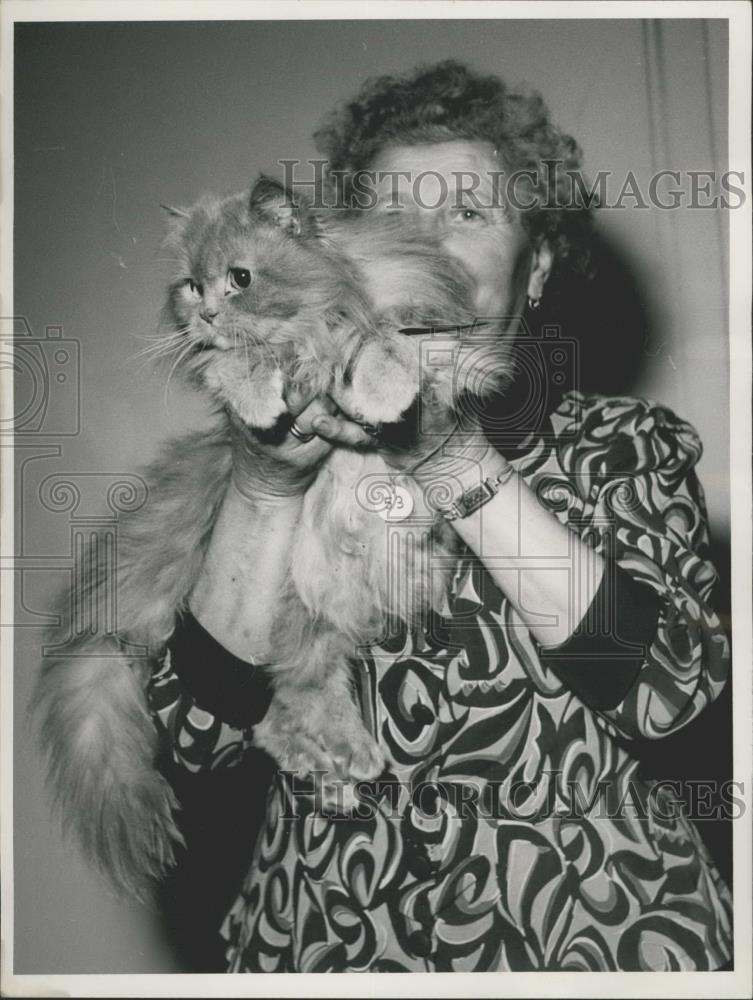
[{"x": 513, "y": 831}]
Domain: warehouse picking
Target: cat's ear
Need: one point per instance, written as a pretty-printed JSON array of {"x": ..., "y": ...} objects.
[
  {"x": 176, "y": 219},
  {"x": 273, "y": 202}
]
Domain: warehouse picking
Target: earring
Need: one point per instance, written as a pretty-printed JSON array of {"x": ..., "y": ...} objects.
[{"x": 534, "y": 303}]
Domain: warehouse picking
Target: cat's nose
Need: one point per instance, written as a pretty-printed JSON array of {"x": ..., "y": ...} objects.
[{"x": 208, "y": 314}]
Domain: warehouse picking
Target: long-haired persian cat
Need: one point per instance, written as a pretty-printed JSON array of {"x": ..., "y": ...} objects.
[{"x": 270, "y": 295}]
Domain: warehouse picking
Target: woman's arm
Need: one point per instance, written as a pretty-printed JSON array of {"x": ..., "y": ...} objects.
[
  {"x": 205, "y": 701},
  {"x": 547, "y": 572},
  {"x": 648, "y": 652},
  {"x": 236, "y": 596},
  {"x": 209, "y": 689},
  {"x": 647, "y": 513},
  {"x": 614, "y": 583},
  {"x": 593, "y": 622}
]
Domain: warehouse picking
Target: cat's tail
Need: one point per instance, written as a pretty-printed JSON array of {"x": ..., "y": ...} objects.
[
  {"x": 100, "y": 744},
  {"x": 93, "y": 721}
]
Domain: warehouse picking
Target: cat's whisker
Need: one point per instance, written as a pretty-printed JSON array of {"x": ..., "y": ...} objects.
[
  {"x": 312, "y": 358},
  {"x": 179, "y": 360},
  {"x": 180, "y": 357},
  {"x": 161, "y": 346},
  {"x": 159, "y": 334},
  {"x": 153, "y": 338},
  {"x": 158, "y": 347},
  {"x": 248, "y": 360},
  {"x": 262, "y": 344},
  {"x": 148, "y": 336},
  {"x": 245, "y": 339}
]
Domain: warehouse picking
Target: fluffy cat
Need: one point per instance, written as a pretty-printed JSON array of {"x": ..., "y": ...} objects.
[{"x": 269, "y": 295}]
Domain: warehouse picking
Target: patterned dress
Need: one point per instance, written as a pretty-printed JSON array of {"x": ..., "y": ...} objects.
[{"x": 512, "y": 832}]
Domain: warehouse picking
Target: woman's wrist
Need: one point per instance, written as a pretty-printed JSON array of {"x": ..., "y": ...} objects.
[
  {"x": 461, "y": 470},
  {"x": 268, "y": 473},
  {"x": 258, "y": 489}
]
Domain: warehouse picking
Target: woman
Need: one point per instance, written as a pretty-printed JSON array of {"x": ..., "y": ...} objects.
[{"x": 512, "y": 832}]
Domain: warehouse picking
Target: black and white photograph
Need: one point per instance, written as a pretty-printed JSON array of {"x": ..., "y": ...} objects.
[{"x": 376, "y": 560}]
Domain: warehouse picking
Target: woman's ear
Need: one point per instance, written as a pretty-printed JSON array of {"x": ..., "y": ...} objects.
[{"x": 541, "y": 267}]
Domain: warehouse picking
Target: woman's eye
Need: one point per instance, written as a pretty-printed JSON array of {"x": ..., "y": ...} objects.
[
  {"x": 240, "y": 277},
  {"x": 194, "y": 288},
  {"x": 468, "y": 215}
]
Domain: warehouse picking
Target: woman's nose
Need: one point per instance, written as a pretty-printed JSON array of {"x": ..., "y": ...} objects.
[{"x": 431, "y": 223}]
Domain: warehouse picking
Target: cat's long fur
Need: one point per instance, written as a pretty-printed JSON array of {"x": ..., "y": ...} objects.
[
  {"x": 94, "y": 725},
  {"x": 356, "y": 285}
]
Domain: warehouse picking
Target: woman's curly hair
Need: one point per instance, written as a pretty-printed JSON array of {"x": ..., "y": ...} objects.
[{"x": 447, "y": 101}]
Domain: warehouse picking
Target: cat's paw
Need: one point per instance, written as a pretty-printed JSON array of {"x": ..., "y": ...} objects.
[
  {"x": 255, "y": 395},
  {"x": 355, "y": 752},
  {"x": 294, "y": 749},
  {"x": 262, "y": 404},
  {"x": 338, "y": 755},
  {"x": 385, "y": 382},
  {"x": 359, "y": 758}
]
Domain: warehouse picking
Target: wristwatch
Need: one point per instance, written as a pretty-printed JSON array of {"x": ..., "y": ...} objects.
[{"x": 476, "y": 496}]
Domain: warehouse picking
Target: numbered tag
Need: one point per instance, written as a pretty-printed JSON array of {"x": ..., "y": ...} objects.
[{"x": 397, "y": 506}]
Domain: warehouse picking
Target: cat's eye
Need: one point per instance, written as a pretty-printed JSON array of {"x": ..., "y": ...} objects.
[
  {"x": 194, "y": 288},
  {"x": 240, "y": 277}
]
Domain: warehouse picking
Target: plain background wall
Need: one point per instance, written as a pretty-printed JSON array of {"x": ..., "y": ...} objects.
[{"x": 112, "y": 119}]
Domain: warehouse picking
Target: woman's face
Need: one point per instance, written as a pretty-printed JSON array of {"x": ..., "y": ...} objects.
[{"x": 449, "y": 191}]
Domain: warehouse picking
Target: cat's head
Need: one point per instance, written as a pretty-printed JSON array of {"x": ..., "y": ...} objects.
[
  {"x": 245, "y": 266},
  {"x": 234, "y": 255},
  {"x": 261, "y": 280}
]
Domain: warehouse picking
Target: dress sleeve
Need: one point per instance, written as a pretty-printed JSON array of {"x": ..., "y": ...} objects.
[
  {"x": 632, "y": 611},
  {"x": 205, "y": 701},
  {"x": 632, "y": 465}
]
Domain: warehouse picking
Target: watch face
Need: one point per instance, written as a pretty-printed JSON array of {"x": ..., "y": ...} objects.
[{"x": 474, "y": 498}]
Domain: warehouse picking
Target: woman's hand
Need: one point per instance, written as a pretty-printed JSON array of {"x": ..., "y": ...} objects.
[
  {"x": 441, "y": 448},
  {"x": 266, "y": 468},
  {"x": 433, "y": 446},
  {"x": 335, "y": 428}
]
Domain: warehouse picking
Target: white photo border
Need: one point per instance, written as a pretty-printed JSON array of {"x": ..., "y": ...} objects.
[{"x": 658, "y": 984}]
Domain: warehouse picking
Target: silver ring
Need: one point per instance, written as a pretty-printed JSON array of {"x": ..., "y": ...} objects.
[
  {"x": 372, "y": 429},
  {"x": 296, "y": 431}
]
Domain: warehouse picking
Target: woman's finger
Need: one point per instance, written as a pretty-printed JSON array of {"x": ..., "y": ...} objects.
[
  {"x": 319, "y": 407},
  {"x": 338, "y": 430}
]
